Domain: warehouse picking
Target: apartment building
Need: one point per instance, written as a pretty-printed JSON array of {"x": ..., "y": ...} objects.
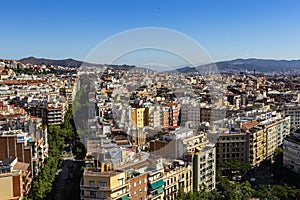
[
  {"x": 56, "y": 113},
  {"x": 291, "y": 152},
  {"x": 190, "y": 113},
  {"x": 257, "y": 142},
  {"x": 26, "y": 147},
  {"x": 277, "y": 128},
  {"x": 293, "y": 111},
  {"x": 231, "y": 145},
  {"x": 104, "y": 185},
  {"x": 170, "y": 114},
  {"x": 177, "y": 143},
  {"x": 204, "y": 167},
  {"x": 12, "y": 117},
  {"x": 177, "y": 175},
  {"x": 154, "y": 117},
  {"x": 137, "y": 185},
  {"x": 52, "y": 111},
  {"x": 138, "y": 136},
  {"x": 156, "y": 183},
  {"x": 252, "y": 138},
  {"x": 140, "y": 117},
  {"x": 16, "y": 144},
  {"x": 210, "y": 113},
  {"x": 15, "y": 179},
  {"x": 68, "y": 91}
]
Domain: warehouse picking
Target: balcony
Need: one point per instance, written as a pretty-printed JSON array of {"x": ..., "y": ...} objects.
[
  {"x": 119, "y": 196},
  {"x": 102, "y": 188},
  {"x": 155, "y": 193},
  {"x": 151, "y": 179},
  {"x": 88, "y": 187},
  {"x": 87, "y": 197},
  {"x": 171, "y": 193}
]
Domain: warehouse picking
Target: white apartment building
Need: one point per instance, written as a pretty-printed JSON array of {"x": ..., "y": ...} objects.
[{"x": 291, "y": 154}]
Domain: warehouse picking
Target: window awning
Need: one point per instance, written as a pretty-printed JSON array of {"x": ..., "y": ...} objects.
[
  {"x": 160, "y": 190},
  {"x": 125, "y": 198},
  {"x": 157, "y": 184}
]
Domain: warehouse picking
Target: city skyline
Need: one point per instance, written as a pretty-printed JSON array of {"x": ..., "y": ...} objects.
[{"x": 226, "y": 30}]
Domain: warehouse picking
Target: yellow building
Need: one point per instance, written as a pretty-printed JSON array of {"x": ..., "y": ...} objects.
[
  {"x": 257, "y": 145},
  {"x": 177, "y": 175},
  {"x": 140, "y": 117},
  {"x": 264, "y": 137},
  {"x": 11, "y": 186},
  {"x": 15, "y": 179},
  {"x": 103, "y": 185}
]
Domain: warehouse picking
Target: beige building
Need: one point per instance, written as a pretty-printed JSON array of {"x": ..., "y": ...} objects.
[
  {"x": 10, "y": 186},
  {"x": 56, "y": 113},
  {"x": 15, "y": 179},
  {"x": 103, "y": 185},
  {"x": 177, "y": 174}
]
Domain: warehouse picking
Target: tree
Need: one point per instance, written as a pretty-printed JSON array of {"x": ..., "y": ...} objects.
[{"x": 233, "y": 165}]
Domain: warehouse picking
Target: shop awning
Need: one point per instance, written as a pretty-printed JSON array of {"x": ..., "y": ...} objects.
[{"x": 157, "y": 184}]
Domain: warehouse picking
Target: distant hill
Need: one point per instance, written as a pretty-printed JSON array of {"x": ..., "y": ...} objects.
[
  {"x": 42, "y": 61},
  {"x": 186, "y": 70},
  {"x": 68, "y": 63},
  {"x": 259, "y": 65},
  {"x": 262, "y": 65},
  {"x": 237, "y": 65}
]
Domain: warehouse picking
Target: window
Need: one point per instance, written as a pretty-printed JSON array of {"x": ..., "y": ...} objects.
[
  {"x": 102, "y": 195},
  {"x": 130, "y": 186},
  {"x": 141, "y": 182},
  {"x": 92, "y": 183},
  {"x": 93, "y": 193},
  {"x": 102, "y": 184},
  {"x": 134, "y": 184}
]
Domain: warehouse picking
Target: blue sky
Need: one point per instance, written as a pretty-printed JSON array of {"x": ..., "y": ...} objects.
[{"x": 227, "y": 29}]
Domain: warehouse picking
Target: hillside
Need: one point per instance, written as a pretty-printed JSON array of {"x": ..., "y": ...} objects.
[
  {"x": 68, "y": 63},
  {"x": 42, "y": 61},
  {"x": 259, "y": 65}
]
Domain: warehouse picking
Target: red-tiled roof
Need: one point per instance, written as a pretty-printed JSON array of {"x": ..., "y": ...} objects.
[{"x": 250, "y": 124}]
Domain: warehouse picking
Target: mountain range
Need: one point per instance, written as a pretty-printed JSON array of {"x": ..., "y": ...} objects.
[
  {"x": 71, "y": 63},
  {"x": 259, "y": 65}
]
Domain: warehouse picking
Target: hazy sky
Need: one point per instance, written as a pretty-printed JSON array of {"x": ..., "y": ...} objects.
[{"x": 226, "y": 29}]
